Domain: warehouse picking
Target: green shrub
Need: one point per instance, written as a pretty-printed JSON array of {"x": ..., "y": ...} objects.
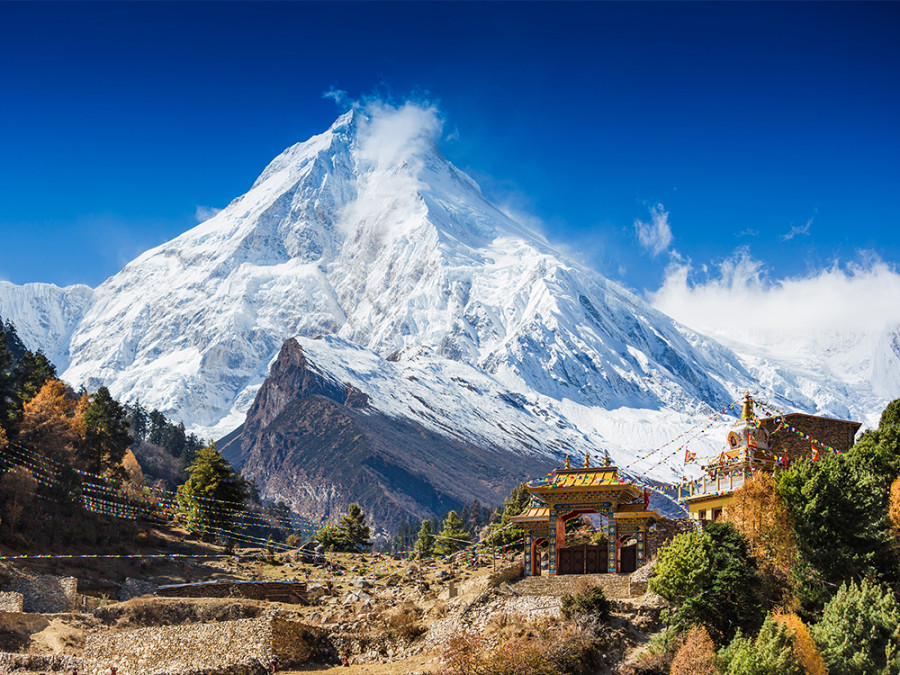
[
  {"x": 712, "y": 579},
  {"x": 589, "y": 602},
  {"x": 771, "y": 653},
  {"x": 859, "y": 632}
]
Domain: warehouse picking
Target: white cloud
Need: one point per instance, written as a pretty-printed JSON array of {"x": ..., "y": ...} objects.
[
  {"x": 391, "y": 135},
  {"x": 656, "y": 235},
  {"x": 741, "y": 301},
  {"x": 339, "y": 96},
  {"x": 204, "y": 213},
  {"x": 797, "y": 230}
]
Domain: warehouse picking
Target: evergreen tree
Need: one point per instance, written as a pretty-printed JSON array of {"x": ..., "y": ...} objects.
[
  {"x": 138, "y": 420},
  {"x": 711, "y": 578},
  {"x": 840, "y": 508},
  {"x": 351, "y": 534},
  {"x": 354, "y": 530},
  {"x": 106, "y": 436},
  {"x": 157, "y": 428},
  {"x": 213, "y": 494},
  {"x": 770, "y": 653},
  {"x": 859, "y": 632},
  {"x": 424, "y": 546},
  {"x": 31, "y": 372},
  {"x": 453, "y": 536},
  {"x": 503, "y": 532}
]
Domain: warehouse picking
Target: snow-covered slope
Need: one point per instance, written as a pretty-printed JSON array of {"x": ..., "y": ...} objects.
[
  {"x": 368, "y": 234},
  {"x": 45, "y": 315}
]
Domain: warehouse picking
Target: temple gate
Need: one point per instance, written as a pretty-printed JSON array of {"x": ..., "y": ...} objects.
[{"x": 569, "y": 493}]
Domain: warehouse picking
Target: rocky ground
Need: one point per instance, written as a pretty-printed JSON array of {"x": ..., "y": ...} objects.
[{"x": 386, "y": 616}]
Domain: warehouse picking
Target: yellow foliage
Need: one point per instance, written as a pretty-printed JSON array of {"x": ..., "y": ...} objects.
[
  {"x": 135, "y": 475},
  {"x": 50, "y": 420},
  {"x": 805, "y": 650},
  {"x": 894, "y": 508},
  {"x": 3, "y": 439},
  {"x": 759, "y": 513},
  {"x": 697, "y": 656}
]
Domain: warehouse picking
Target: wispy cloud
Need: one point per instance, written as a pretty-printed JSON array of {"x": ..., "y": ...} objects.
[
  {"x": 738, "y": 298},
  {"x": 656, "y": 235},
  {"x": 797, "y": 230},
  {"x": 204, "y": 213},
  {"x": 339, "y": 96},
  {"x": 748, "y": 233}
]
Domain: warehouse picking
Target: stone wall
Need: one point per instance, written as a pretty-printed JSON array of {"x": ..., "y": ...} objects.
[
  {"x": 273, "y": 591},
  {"x": 134, "y": 588},
  {"x": 39, "y": 662},
  {"x": 46, "y": 594},
  {"x": 663, "y": 532},
  {"x": 839, "y": 434},
  {"x": 243, "y": 646},
  {"x": 10, "y": 602}
]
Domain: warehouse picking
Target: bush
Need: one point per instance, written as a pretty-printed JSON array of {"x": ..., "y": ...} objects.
[
  {"x": 771, "y": 653},
  {"x": 404, "y": 622},
  {"x": 859, "y": 632},
  {"x": 697, "y": 656},
  {"x": 589, "y": 602}
]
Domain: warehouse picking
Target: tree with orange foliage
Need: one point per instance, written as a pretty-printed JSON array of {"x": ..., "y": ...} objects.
[
  {"x": 758, "y": 511},
  {"x": 50, "y": 422},
  {"x": 3, "y": 439},
  {"x": 697, "y": 656},
  {"x": 805, "y": 650},
  {"x": 894, "y": 508}
]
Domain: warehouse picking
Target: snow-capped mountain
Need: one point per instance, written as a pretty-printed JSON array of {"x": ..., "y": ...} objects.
[{"x": 368, "y": 235}]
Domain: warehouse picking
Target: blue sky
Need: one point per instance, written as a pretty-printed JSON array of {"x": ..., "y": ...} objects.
[{"x": 730, "y": 131}]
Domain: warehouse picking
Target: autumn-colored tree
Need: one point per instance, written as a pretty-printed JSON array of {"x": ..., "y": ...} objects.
[
  {"x": 133, "y": 468},
  {"x": 759, "y": 513},
  {"x": 806, "y": 652},
  {"x": 3, "y": 439},
  {"x": 49, "y": 423},
  {"x": 894, "y": 508},
  {"x": 697, "y": 656}
]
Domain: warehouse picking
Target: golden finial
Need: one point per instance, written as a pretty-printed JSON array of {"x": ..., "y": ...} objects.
[
  {"x": 587, "y": 460},
  {"x": 747, "y": 410},
  {"x": 607, "y": 461},
  {"x": 567, "y": 461}
]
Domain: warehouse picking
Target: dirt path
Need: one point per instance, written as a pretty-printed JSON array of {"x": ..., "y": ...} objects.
[{"x": 426, "y": 662}]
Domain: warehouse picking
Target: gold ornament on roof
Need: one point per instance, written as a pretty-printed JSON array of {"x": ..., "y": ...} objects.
[
  {"x": 747, "y": 409},
  {"x": 587, "y": 460},
  {"x": 567, "y": 462}
]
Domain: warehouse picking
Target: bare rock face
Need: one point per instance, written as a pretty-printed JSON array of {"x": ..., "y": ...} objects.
[{"x": 317, "y": 445}]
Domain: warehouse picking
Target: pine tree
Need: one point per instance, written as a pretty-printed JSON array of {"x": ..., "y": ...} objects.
[
  {"x": 138, "y": 420},
  {"x": 213, "y": 494},
  {"x": 351, "y": 534},
  {"x": 7, "y": 386},
  {"x": 31, "y": 372},
  {"x": 859, "y": 632},
  {"x": 354, "y": 530},
  {"x": 106, "y": 436},
  {"x": 424, "y": 546},
  {"x": 770, "y": 653},
  {"x": 453, "y": 536},
  {"x": 503, "y": 532}
]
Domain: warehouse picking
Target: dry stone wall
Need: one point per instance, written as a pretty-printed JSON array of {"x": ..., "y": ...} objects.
[
  {"x": 39, "y": 662},
  {"x": 243, "y": 647},
  {"x": 45, "y": 594}
]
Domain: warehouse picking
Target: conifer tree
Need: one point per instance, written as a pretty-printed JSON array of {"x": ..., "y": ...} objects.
[
  {"x": 770, "y": 653},
  {"x": 424, "y": 546},
  {"x": 503, "y": 532},
  {"x": 354, "y": 531},
  {"x": 859, "y": 632},
  {"x": 453, "y": 536},
  {"x": 213, "y": 494},
  {"x": 106, "y": 435},
  {"x": 697, "y": 656}
]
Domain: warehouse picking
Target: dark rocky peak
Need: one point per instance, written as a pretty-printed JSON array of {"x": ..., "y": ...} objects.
[{"x": 293, "y": 377}]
